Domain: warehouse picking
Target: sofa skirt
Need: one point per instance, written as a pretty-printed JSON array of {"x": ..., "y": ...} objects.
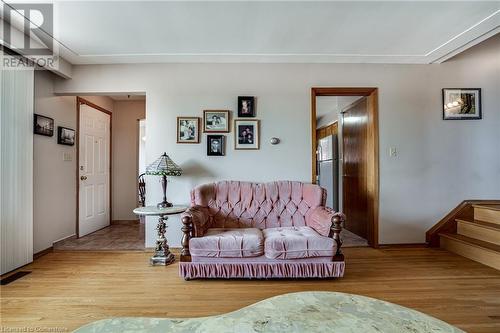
[{"x": 256, "y": 270}]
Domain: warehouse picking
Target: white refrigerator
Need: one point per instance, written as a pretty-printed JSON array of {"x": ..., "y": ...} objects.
[{"x": 328, "y": 169}]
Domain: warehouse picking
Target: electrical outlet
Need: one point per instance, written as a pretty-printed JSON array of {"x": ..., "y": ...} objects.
[{"x": 393, "y": 152}]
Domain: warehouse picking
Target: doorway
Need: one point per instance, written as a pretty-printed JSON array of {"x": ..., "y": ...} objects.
[
  {"x": 94, "y": 167},
  {"x": 107, "y": 185},
  {"x": 352, "y": 131}
]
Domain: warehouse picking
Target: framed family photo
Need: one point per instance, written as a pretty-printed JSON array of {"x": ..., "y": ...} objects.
[
  {"x": 216, "y": 121},
  {"x": 216, "y": 145},
  {"x": 43, "y": 125},
  {"x": 246, "y": 134},
  {"x": 65, "y": 136},
  {"x": 461, "y": 103},
  {"x": 188, "y": 130},
  {"x": 246, "y": 106}
]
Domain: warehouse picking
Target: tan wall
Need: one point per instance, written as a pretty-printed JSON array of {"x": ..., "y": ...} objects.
[{"x": 125, "y": 157}]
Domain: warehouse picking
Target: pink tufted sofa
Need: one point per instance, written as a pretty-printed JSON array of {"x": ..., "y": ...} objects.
[{"x": 260, "y": 230}]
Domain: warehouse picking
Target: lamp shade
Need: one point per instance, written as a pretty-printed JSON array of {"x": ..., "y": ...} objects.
[{"x": 163, "y": 166}]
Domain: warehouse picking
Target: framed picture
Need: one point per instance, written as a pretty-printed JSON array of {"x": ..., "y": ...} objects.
[
  {"x": 216, "y": 121},
  {"x": 461, "y": 103},
  {"x": 65, "y": 136},
  {"x": 43, "y": 125},
  {"x": 216, "y": 145},
  {"x": 246, "y": 134},
  {"x": 188, "y": 130},
  {"x": 246, "y": 106}
]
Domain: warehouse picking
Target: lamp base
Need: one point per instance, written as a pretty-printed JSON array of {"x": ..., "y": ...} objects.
[{"x": 164, "y": 204}]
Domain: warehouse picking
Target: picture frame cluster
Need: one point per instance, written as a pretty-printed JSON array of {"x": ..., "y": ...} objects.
[
  {"x": 43, "y": 125},
  {"x": 215, "y": 123}
]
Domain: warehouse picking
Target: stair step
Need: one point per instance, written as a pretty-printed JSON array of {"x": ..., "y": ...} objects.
[
  {"x": 487, "y": 213},
  {"x": 485, "y": 231},
  {"x": 477, "y": 250}
]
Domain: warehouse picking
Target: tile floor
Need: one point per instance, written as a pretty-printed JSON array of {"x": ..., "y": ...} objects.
[{"x": 112, "y": 238}]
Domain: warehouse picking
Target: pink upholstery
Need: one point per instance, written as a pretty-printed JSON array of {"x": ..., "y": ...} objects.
[
  {"x": 228, "y": 243},
  {"x": 233, "y": 204},
  {"x": 249, "y": 270},
  {"x": 261, "y": 230},
  {"x": 320, "y": 220},
  {"x": 297, "y": 242}
]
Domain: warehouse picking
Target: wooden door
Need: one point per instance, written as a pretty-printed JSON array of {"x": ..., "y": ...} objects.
[
  {"x": 354, "y": 168},
  {"x": 94, "y": 170}
]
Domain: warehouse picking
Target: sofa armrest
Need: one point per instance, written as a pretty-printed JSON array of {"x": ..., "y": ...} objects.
[
  {"x": 327, "y": 222},
  {"x": 195, "y": 222}
]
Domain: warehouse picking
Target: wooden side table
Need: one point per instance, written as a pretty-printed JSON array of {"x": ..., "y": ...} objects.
[{"x": 162, "y": 255}]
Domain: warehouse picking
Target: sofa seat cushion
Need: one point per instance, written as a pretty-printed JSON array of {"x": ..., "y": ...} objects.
[
  {"x": 296, "y": 242},
  {"x": 228, "y": 243}
]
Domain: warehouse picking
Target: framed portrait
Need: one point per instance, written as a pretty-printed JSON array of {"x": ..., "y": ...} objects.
[
  {"x": 216, "y": 121},
  {"x": 65, "y": 136},
  {"x": 43, "y": 125},
  {"x": 461, "y": 103},
  {"x": 188, "y": 130},
  {"x": 216, "y": 145},
  {"x": 246, "y": 106},
  {"x": 246, "y": 134}
]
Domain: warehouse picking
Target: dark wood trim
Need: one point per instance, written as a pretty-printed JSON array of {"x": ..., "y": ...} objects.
[
  {"x": 373, "y": 147},
  {"x": 43, "y": 252},
  {"x": 448, "y": 224},
  {"x": 80, "y": 101}
]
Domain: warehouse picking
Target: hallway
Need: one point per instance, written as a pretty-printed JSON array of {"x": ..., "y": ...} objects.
[{"x": 114, "y": 237}]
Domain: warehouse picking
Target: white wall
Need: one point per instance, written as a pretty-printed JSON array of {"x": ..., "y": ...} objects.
[
  {"x": 125, "y": 157},
  {"x": 439, "y": 163},
  {"x": 54, "y": 179}
]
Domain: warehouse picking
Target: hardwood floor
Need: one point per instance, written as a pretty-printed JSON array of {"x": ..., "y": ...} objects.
[{"x": 69, "y": 289}]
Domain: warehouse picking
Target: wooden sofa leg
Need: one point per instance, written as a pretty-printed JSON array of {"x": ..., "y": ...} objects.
[
  {"x": 187, "y": 226},
  {"x": 337, "y": 228}
]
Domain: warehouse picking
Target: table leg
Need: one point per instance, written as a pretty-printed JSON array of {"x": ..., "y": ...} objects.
[{"x": 162, "y": 256}]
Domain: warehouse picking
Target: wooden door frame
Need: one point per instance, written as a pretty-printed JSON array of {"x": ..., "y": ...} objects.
[
  {"x": 79, "y": 102},
  {"x": 373, "y": 148}
]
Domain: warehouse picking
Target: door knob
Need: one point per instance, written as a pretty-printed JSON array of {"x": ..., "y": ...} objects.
[{"x": 83, "y": 177}]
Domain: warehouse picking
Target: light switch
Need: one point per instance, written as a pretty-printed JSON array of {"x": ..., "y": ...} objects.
[
  {"x": 67, "y": 157},
  {"x": 393, "y": 152}
]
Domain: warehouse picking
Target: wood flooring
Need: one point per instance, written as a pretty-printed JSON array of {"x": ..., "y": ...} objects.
[{"x": 69, "y": 289}]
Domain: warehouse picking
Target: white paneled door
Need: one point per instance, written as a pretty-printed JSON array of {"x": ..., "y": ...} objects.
[{"x": 94, "y": 170}]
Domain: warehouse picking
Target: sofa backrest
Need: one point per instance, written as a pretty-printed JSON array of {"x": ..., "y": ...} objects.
[{"x": 233, "y": 204}]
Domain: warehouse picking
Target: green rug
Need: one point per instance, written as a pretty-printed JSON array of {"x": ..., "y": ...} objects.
[{"x": 303, "y": 312}]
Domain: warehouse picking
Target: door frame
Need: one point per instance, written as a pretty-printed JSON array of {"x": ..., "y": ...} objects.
[
  {"x": 79, "y": 102},
  {"x": 373, "y": 148}
]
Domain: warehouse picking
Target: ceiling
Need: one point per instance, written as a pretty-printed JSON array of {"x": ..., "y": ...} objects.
[
  {"x": 127, "y": 97},
  {"x": 95, "y": 32},
  {"x": 333, "y": 105}
]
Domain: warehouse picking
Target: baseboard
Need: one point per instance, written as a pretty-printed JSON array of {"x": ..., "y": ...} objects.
[
  {"x": 403, "y": 245},
  {"x": 124, "y": 222},
  {"x": 43, "y": 252},
  {"x": 63, "y": 239}
]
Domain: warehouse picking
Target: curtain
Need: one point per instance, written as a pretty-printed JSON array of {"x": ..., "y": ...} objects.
[{"x": 16, "y": 168}]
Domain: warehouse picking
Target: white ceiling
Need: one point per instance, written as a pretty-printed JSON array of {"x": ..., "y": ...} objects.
[
  {"x": 263, "y": 31},
  {"x": 128, "y": 97},
  {"x": 333, "y": 105}
]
